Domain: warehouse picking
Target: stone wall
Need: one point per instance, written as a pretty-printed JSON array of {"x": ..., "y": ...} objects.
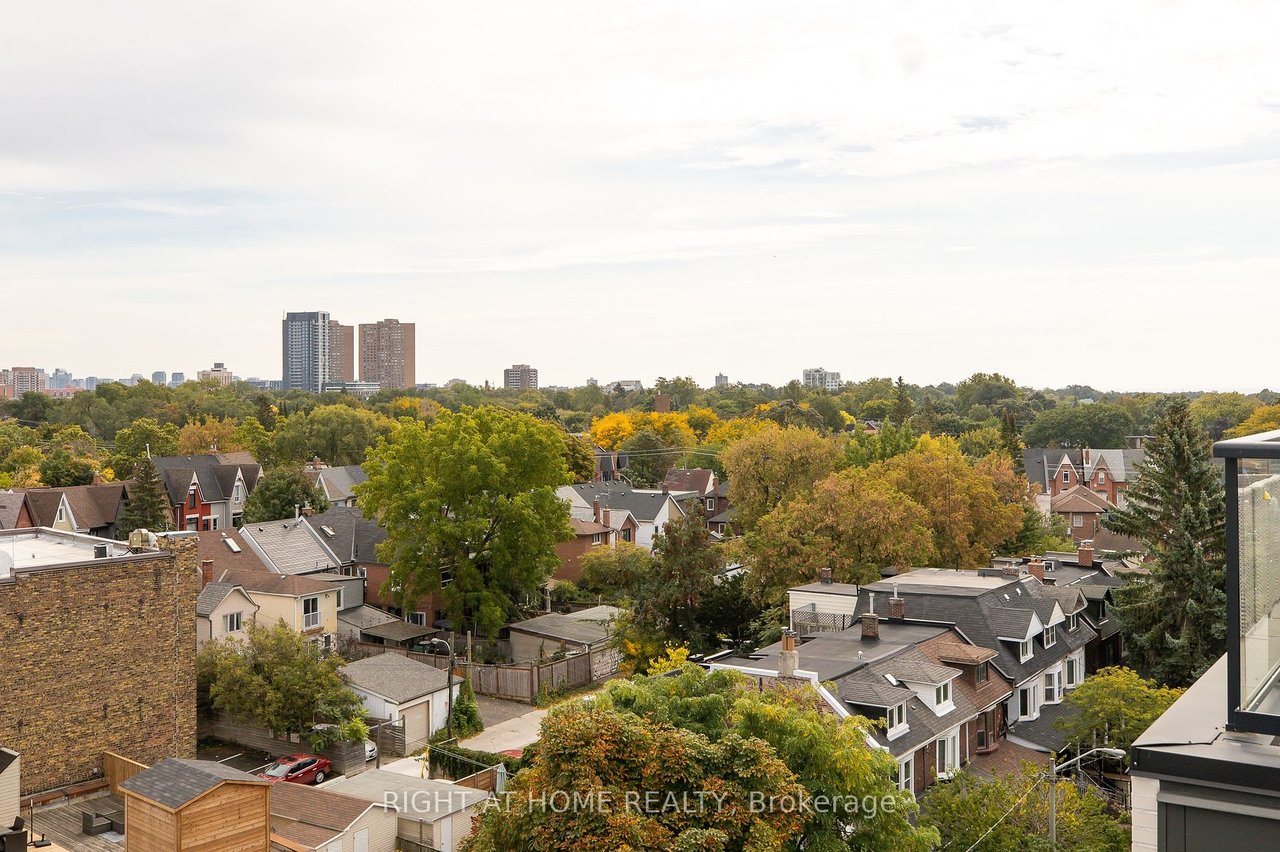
[{"x": 99, "y": 656}]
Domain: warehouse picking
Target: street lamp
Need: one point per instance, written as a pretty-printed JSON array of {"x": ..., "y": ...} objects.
[
  {"x": 1117, "y": 753},
  {"x": 448, "y": 696}
]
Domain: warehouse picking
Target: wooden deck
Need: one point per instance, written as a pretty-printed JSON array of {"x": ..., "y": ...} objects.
[{"x": 61, "y": 824}]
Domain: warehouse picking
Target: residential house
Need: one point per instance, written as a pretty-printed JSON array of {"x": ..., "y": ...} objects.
[
  {"x": 1038, "y": 648},
  {"x": 354, "y": 621},
  {"x": 90, "y": 509},
  {"x": 97, "y": 651},
  {"x": 304, "y": 604},
  {"x": 222, "y": 610},
  {"x": 587, "y": 535},
  {"x": 1083, "y": 510},
  {"x": 290, "y": 546},
  {"x": 431, "y": 814},
  {"x": 545, "y": 635},
  {"x": 196, "y": 804},
  {"x": 1107, "y": 473},
  {"x": 337, "y": 483},
  {"x": 14, "y": 513},
  {"x": 394, "y": 687},
  {"x": 208, "y": 492},
  {"x": 314, "y": 819},
  {"x": 651, "y": 508},
  {"x": 708, "y": 490}
]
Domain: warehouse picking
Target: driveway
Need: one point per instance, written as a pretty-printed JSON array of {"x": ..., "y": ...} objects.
[
  {"x": 514, "y": 733},
  {"x": 496, "y": 710}
]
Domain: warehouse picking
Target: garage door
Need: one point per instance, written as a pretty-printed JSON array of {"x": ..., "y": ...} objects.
[{"x": 415, "y": 725}]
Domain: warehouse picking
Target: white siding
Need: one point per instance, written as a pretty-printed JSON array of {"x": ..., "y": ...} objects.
[
  {"x": 841, "y": 604},
  {"x": 381, "y": 824},
  {"x": 9, "y": 794},
  {"x": 1144, "y": 815}
]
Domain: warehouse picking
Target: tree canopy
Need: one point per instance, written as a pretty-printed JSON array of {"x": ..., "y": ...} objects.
[
  {"x": 1113, "y": 707},
  {"x": 282, "y": 493},
  {"x": 773, "y": 465},
  {"x": 470, "y": 508},
  {"x": 1099, "y": 425}
]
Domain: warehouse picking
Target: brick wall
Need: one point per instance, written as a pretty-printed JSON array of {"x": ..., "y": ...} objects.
[{"x": 99, "y": 657}]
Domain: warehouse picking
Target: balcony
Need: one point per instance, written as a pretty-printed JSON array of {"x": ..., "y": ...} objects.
[{"x": 1253, "y": 581}]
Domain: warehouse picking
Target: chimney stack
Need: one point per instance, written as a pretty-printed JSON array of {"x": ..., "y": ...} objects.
[
  {"x": 824, "y": 575},
  {"x": 1036, "y": 568},
  {"x": 206, "y": 572},
  {"x": 870, "y": 627},
  {"x": 1009, "y": 570},
  {"x": 1085, "y": 457},
  {"x": 595, "y": 510},
  {"x": 1084, "y": 556},
  {"x": 604, "y": 517},
  {"x": 897, "y": 606},
  {"x": 789, "y": 659}
]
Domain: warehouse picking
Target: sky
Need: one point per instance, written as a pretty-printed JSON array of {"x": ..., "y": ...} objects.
[{"x": 1081, "y": 193}]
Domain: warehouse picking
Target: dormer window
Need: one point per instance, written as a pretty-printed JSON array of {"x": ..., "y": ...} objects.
[
  {"x": 1073, "y": 621},
  {"x": 191, "y": 497},
  {"x": 1051, "y": 635},
  {"x": 942, "y": 695},
  {"x": 1024, "y": 650},
  {"x": 897, "y": 720},
  {"x": 1102, "y": 478},
  {"x": 981, "y": 673},
  {"x": 1066, "y": 476},
  {"x": 1102, "y": 610}
]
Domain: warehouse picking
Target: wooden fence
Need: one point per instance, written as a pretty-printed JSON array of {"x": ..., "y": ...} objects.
[
  {"x": 520, "y": 681},
  {"x": 117, "y": 768}
]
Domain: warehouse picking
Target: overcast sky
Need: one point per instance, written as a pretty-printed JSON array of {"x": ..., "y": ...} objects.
[{"x": 1087, "y": 194}]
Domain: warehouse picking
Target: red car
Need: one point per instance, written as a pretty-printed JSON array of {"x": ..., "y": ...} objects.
[{"x": 299, "y": 768}]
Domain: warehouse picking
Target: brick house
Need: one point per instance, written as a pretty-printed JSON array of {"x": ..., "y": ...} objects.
[
  {"x": 587, "y": 535},
  {"x": 1106, "y": 473},
  {"x": 97, "y": 649},
  {"x": 208, "y": 492}
]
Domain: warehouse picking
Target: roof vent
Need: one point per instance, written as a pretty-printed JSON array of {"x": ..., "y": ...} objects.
[
  {"x": 893, "y": 680},
  {"x": 328, "y": 531},
  {"x": 1006, "y": 596},
  {"x": 101, "y": 551}
]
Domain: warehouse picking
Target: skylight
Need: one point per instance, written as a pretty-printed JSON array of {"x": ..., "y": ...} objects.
[
  {"x": 328, "y": 531},
  {"x": 231, "y": 545}
]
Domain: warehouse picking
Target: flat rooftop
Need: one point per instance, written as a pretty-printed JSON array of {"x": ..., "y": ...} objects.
[
  {"x": 27, "y": 549},
  {"x": 836, "y": 654},
  {"x": 940, "y": 578}
]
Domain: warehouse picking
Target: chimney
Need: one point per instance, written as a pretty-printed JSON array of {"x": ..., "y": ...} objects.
[
  {"x": 870, "y": 627},
  {"x": 789, "y": 659},
  {"x": 824, "y": 575},
  {"x": 604, "y": 517},
  {"x": 307, "y": 511},
  {"x": 897, "y": 606},
  {"x": 665, "y": 489},
  {"x": 1036, "y": 569},
  {"x": 1084, "y": 555},
  {"x": 1009, "y": 570},
  {"x": 1085, "y": 457},
  {"x": 206, "y": 572},
  {"x": 595, "y": 509},
  {"x": 662, "y": 403}
]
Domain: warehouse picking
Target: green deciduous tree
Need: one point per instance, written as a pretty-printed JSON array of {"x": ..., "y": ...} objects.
[
  {"x": 773, "y": 465},
  {"x": 1263, "y": 419},
  {"x": 472, "y": 495},
  {"x": 338, "y": 434},
  {"x": 1100, "y": 425},
  {"x": 60, "y": 469},
  {"x": 865, "y": 448},
  {"x": 1174, "y": 620},
  {"x": 280, "y": 494},
  {"x": 1010, "y": 813},
  {"x": 1113, "y": 707},
  {"x": 141, "y": 437},
  {"x": 147, "y": 507},
  {"x": 1218, "y": 412},
  {"x": 276, "y": 678}
]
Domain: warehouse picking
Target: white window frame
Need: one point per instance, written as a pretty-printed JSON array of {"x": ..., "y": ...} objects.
[
  {"x": 1073, "y": 672},
  {"x": 311, "y": 620},
  {"x": 1102, "y": 477},
  {"x": 237, "y": 492},
  {"x": 711, "y": 505},
  {"x": 1052, "y": 687},
  {"x": 1033, "y": 705},
  {"x": 417, "y": 617},
  {"x": 1025, "y": 650},
  {"x": 62, "y": 514},
  {"x": 595, "y": 539},
  {"x": 947, "y": 754},
  {"x": 227, "y": 619},
  {"x": 1066, "y": 477},
  {"x": 1051, "y": 636},
  {"x": 942, "y": 694},
  {"x": 896, "y": 721},
  {"x": 1073, "y": 622},
  {"x": 338, "y": 588},
  {"x": 907, "y": 773},
  {"x": 1077, "y": 519}
]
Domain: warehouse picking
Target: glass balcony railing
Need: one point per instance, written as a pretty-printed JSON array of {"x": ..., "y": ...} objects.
[{"x": 1252, "y": 467}]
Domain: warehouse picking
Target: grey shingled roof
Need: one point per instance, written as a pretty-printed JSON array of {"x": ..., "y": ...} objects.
[
  {"x": 398, "y": 631},
  {"x": 916, "y": 668},
  {"x": 923, "y": 723},
  {"x": 873, "y": 691},
  {"x": 290, "y": 546},
  {"x": 355, "y": 538},
  {"x": 556, "y": 626},
  {"x": 1069, "y": 598},
  {"x": 10, "y": 506},
  {"x": 643, "y": 505},
  {"x": 215, "y": 474},
  {"x": 212, "y": 595},
  {"x": 339, "y": 482},
  {"x": 365, "y": 616},
  {"x": 1042, "y": 731},
  {"x": 395, "y": 677},
  {"x": 1010, "y": 623},
  {"x": 175, "y": 781}
]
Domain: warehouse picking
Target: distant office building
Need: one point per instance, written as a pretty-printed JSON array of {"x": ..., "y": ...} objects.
[
  {"x": 721, "y": 380},
  {"x": 27, "y": 380},
  {"x": 177, "y": 379},
  {"x": 342, "y": 352},
  {"x": 159, "y": 377},
  {"x": 306, "y": 350},
  {"x": 133, "y": 380},
  {"x": 816, "y": 377},
  {"x": 453, "y": 382},
  {"x": 60, "y": 379},
  {"x": 387, "y": 353},
  {"x": 626, "y": 385},
  {"x": 593, "y": 383},
  {"x": 218, "y": 373},
  {"x": 78, "y": 384},
  {"x": 91, "y": 382},
  {"x": 364, "y": 390},
  {"x": 520, "y": 377}
]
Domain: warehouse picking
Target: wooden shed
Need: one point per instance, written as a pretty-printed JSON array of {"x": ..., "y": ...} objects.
[{"x": 197, "y": 806}]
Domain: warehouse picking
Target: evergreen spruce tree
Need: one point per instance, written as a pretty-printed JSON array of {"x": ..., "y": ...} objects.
[
  {"x": 1010, "y": 440},
  {"x": 903, "y": 407},
  {"x": 1175, "y": 620},
  {"x": 147, "y": 507}
]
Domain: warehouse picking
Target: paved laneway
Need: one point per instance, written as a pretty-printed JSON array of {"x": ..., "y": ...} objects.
[{"x": 514, "y": 733}]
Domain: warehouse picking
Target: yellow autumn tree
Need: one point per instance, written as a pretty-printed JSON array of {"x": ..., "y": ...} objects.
[{"x": 611, "y": 430}]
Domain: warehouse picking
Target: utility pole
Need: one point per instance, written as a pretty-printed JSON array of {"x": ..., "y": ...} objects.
[{"x": 1053, "y": 805}]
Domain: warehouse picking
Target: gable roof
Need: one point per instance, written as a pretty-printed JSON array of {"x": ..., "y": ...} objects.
[
  {"x": 697, "y": 479},
  {"x": 290, "y": 546},
  {"x": 584, "y": 528},
  {"x": 563, "y": 628},
  {"x": 318, "y": 807},
  {"x": 214, "y": 594},
  {"x": 216, "y": 546},
  {"x": 339, "y": 483},
  {"x": 215, "y": 475},
  {"x": 1042, "y": 463},
  {"x": 10, "y": 507},
  {"x": 355, "y": 538},
  {"x": 92, "y": 506},
  {"x": 1079, "y": 498},
  {"x": 923, "y": 723},
  {"x": 644, "y": 505},
  {"x": 395, "y": 677},
  {"x": 173, "y": 782},
  {"x": 266, "y": 583}
]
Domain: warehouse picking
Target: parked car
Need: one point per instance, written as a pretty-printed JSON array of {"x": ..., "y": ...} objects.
[
  {"x": 370, "y": 751},
  {"x": 301, "y": 768}
]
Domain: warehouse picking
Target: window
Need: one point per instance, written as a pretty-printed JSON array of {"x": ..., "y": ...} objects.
[
  {"x": 595, "y": 539},
  {"x": 907, "y": 773},
  {"x": 1073, "y": 672},
  {"x": 1066, "y": 476},
  {"x": 340, "y": 590},
  {"x": 980, "y": 673},
  {"x": 711, "y": 505},
  {"x": 62, "y": 514},
  {"x": 446, "y": 577},
  {"x": 626, "y": 535},
  {"x": 204, "y": 524},
  {"x": 1102, "y": 610},
  {"x": 1073, "y": 621},
  {"x": 1027, "y": 702},
  {"x": 1051, "y": 636},
  {"x": 1024, "y": 650},
  {"x": 237, "y": 493},
  {"x": 1102, "y": 478},
  {"x": 193, "y": 523},
  {"x": 213, "y": 520},
  {"x": 942, "y": 694},
  {"x": 418, "y": 618},
  {"x": 1077, "y": 520},
  {"x": 897, "y": 718},
  {"x": 191, "y": 497},
  {"x": 1052, "y": 687},
  {"x": 310, "y": 613},
  {"x": 948, "y": 754},
  {"x": 232, "y": 621},
  {"x": 986, "y": 729}
]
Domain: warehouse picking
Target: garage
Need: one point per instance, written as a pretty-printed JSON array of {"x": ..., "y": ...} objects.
[{"x": 393, "y": 686}]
